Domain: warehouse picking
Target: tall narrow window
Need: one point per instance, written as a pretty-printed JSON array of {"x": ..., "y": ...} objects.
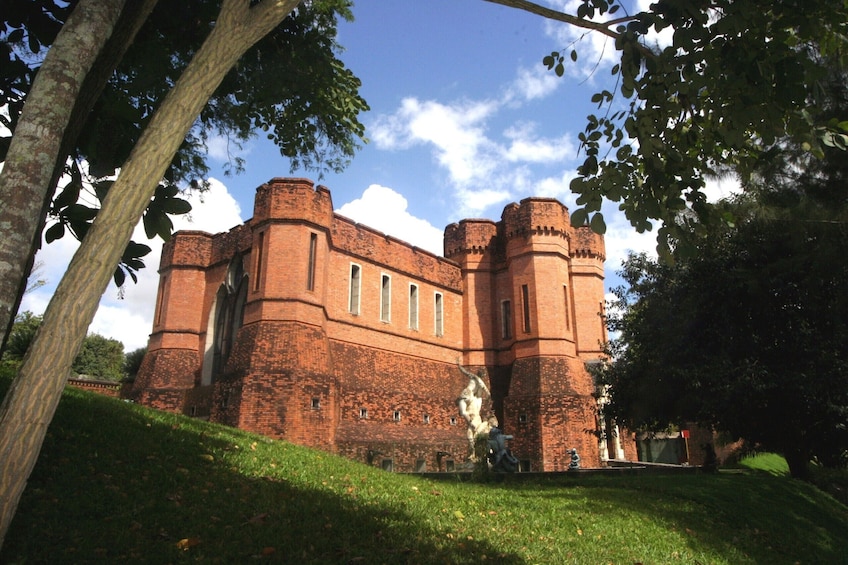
[
  {"x": 506, "y": 319},
  {"x": 386, "y": 298},
  {"x": 603, "y": 316},
  {"x": 525, "y": 298},
  {"x": 439, "y": 314},
  {"x": 353, "y": 292},
  {"x": 229, "y": 314},
  {"x": 565, "y": 304},
  {"x": 160, "y": 299},
  {"x": 413, "y": 307},
  {"x": 313, "y": 248},
  {"x": 260, "y": 257}
]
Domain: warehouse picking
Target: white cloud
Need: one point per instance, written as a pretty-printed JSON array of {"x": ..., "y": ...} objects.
[
  {"x": 385, "y": 210},
  {"x": 455, "y": 131},
  {"x": 129, "y": 320},
  {"x": 219, "y": 148},
  {"x": 482, "y": 170},
  {"x": 622, "y": 239},
  {"x": 526, "y": 147},
  {"x": 532, "y": 84}
]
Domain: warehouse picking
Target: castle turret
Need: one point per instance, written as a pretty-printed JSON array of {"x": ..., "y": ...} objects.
[
  {"x": 270, "y": 385},
  {"x": 549, "y": 405},
  {"x": 171, "y": 365},
  {"x": 473, "y": 244}
]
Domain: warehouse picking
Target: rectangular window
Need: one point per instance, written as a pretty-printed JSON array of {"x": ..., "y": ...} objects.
[
  {"x": 439, "y": 314},
  {"x": 160, "y": 299},
  {"x": 565, "y": 303},
  {"x": 396, "y": 416},
  {"x": 525, "y": 297},
  {"x": 413, "y": 307},
  {"x": 260, "y": 257},
  {"x": 353, "y": 291},
  {"x": 386, "y": 298},
  {"x": 363, "y": 413},
  {"x": 313, "y": 248},
  {"x": 603, "y": 315},
  {"x": 506, "y": 319}
]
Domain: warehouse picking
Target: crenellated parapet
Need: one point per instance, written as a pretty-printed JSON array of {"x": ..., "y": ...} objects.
[
  {"x": 363, "y": 242},
  {"x": 187, "y": 249},
  {"x": 536, "y": 216},
  {"x": 226, "y": 245},
  {"x": 470, "y": 237},
  {"x": 293, "y": 200},
  {"x": 588, "y": 244}
]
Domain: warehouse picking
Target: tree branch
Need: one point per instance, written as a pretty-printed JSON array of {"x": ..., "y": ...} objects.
[
  {"x": 602, "y": 27},
  {"x": 550, "y": 14}
]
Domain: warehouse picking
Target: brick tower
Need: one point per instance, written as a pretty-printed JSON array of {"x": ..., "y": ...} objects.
[{"x": 533, "y": 289}]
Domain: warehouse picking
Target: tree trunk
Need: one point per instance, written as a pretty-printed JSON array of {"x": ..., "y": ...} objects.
[
  {"x": 31, "y": 401},
  {"x": 798, "y": 460},
  {"x": 37, "y": 138},
  {"x": 39, "y": 182}
]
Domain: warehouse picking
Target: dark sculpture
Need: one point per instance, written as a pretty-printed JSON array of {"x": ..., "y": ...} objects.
[
  {"x": 575, "y": 460},
  {"x": 501, "y": 460}
]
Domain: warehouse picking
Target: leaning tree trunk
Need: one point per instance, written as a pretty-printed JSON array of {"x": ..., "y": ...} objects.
[
  {"x": 31, "y": 401},
  {"x": 37, "y": 139}
]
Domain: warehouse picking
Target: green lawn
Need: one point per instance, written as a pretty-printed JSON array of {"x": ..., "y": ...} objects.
[{"x": 120, "y": 483}]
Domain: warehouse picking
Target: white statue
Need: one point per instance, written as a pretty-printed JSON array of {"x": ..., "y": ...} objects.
[{"x": 470, "y": 402}]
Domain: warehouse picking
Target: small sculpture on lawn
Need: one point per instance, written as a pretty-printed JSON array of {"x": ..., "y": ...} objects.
[
  {"x": 575, "y": 460},
  {"x": 470, "y": 403},
  {"x": 500, "y": 458}
]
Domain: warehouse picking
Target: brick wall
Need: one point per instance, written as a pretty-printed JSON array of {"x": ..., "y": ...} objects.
[
  {"x": 306, "y": 367},
  {"x": 106, "y": 388}
]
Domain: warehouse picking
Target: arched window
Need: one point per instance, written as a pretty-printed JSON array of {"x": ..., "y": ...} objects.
[{"x": 229, "y": 315}]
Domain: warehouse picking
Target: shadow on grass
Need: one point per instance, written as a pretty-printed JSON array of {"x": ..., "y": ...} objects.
[
  {"x": 770, "y": 519},
  {"x": 113, "y": 486}
]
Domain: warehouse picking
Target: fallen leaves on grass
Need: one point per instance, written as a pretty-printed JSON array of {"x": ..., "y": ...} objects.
[{"x": 187, "y": 543}]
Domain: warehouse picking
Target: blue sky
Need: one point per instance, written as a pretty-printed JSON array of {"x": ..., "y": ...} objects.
[{"x": 464, "y": 120}]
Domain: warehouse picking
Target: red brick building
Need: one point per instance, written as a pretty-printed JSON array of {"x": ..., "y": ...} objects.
[{"x": 301, "y": 324}]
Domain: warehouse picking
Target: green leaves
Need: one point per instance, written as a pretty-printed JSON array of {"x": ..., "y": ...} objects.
[
  {"x": 736, "y": 80},
  {"x": 555, "y": 61},
  {"x": 155, "y": 219},
  {"x": 70, "y": 215}
]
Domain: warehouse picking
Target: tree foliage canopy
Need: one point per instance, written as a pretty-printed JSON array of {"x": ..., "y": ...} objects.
[
  {"x": 738, "y": 76},
  {"x": 747, "y": 338},
  {"x": 100, "y": 357},
  {"x": 290, "y": 85}
]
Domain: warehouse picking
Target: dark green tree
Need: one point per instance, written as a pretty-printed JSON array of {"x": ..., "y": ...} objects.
[
  {"x": 747, "y": 337},
  {"x": 100, "y": 357},
  {"x": 22, "y": 334},
  {"x": 132, "y": 361}
]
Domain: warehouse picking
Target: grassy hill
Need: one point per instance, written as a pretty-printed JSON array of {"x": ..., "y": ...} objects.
[{"x": 120, "y": 483}]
